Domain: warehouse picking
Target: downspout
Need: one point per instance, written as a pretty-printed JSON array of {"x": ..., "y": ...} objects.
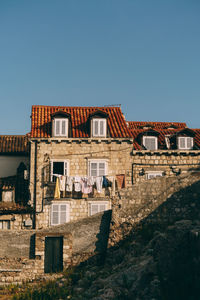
[{"x": 35, "y": 184}]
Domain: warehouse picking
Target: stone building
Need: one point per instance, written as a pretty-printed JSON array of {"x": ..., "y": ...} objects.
[
  {"x": 163, "y": 149},
  {"x": 14, "y": 185},
  {"x": 74, "y": 143}
]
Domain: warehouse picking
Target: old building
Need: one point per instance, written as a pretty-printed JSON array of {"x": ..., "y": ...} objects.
[
  {"x": 14, "y": 185},
  {"x": 77, "y": 147},
  {"x": 163, "y": 149}
]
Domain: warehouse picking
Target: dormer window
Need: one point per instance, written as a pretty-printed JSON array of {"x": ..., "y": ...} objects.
[
  {"x": 60, "y": 124},
  {"x": 60, "y": 127},
  {"x": 98, "y": 127},
  {"x": 150, "y": 142},
  {"x": 185, "y": 142}
]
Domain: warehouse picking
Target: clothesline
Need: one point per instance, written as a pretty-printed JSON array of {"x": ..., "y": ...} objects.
[{"x": 84, "y": 184}]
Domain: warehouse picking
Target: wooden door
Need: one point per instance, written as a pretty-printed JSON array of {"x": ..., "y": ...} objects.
[{"x": 53, "y": 260}]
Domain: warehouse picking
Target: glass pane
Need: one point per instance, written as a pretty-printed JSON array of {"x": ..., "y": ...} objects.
[
  {"x": 63, "y": 207},
  {"x": 102, "y": 169},
  {"x": 182, "y": 142},
  {"x": 150, "y": 143},
  {"x": 102, "y": 207},
  {"x": 63, "y": 217},
  {"x": 55, "y": 207},
  {"x": 189, "y": 143}
]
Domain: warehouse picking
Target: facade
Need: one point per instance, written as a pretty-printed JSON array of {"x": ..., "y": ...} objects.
[
  {"x": 80, "y": 157},
  {"x": 163, "y": 149},
  {"x": 14, "y": 185},
  {"x": 77, "y": 143}
]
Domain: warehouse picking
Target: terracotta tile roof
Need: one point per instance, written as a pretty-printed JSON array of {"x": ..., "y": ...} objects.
[
  {"x": 137, "y": 128},
  {"x": 41, "y": 120},
  {"x": 13, "y": 144},
  {"x": 156, "y": 125}
]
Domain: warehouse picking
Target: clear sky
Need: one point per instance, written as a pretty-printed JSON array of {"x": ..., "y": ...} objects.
[{"x": 142, "y": 54}]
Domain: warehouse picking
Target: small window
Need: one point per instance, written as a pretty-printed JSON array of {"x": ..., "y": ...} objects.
[
  {"x": 97, "y": 168},
  {"x": 59, "y": 213},
  {"x": 4, "y": 224},
  {"x": 97, "y": 208},
  {"x": 59, "y": 168},
  {"x": 153, "y": 174},
  {"x": 185, "y": 142},
  {"x": 60, "y": 127},
  {"x": 99, "y": 127},
  {"x": 150, "y": 142}
]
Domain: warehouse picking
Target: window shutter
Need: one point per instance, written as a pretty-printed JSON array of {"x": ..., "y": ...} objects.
[
  {"x": 1, "y": 224},
  {"x": 150, "y": 143},
  {"x": 96, "y": 127},
  {"x": 65, "y": 168},
  {"x": 57, "y": 127},
  {"x": 93, "y": 169},
  {"x": 182, "y": 144},
  {"x": 102, "y": 124},
  {"x": 102, "y": 170},
  {"x": 64, "y": 123},
  {"x": 63, "y": 213},
  {"x": 94, "y": 209},
  {"x": 189, "y": 143},
  {"x": 55, "y": 214},
  {"x": 102, "y": 207}
]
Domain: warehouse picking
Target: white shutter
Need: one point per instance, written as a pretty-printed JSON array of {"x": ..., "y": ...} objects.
[
  {"x": 150, "y": 143},
  {"x": 96, "y": 127},
  {"x": 182, "y": 143},
  {"x": 102, "y": 207},
  {"x": 64, "y": 123},
  {"x": 65, "y": 168},
  {"x": 55, "y": 214},
  {"x": 1, "y": 224},
  {"x": 102, "y": 124},
  {"x": 57, "y": 127},
  {"x": 63, "y": 213},
  {"x": 93, "y": 169},
  {"x": 94, "y": 209},
  {"x": 102, "y": 170},
  {"x": 189, "y": 143}
]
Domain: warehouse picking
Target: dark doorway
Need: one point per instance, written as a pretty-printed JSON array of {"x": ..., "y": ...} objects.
[{"x": 53, "y": 260}]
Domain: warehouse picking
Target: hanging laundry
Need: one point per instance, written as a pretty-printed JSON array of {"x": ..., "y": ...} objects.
[
  {"x": 121, "y": 181},
  {"x": 57, "y": 189},
  {"x": 105, "y": 182},
  {"x": 99, "y": 184},
  {"x": 86, "y": 188},
  {"x": 62, "y": 182},
  {"x": 69, "y": 183},
  {"x": 77, "y": 184}
]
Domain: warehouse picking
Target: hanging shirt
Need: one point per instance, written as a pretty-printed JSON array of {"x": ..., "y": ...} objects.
[
  {"x": 99, "y": 184},
  {"x": 62, "y": 182},
  {"x": 69, "y": 183},
  {"x": 86, "y": 188},
  {"x": 77, "y": 184}
]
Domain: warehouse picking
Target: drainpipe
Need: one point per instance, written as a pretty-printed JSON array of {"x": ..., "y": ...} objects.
[{"x": 35, "y": 184}]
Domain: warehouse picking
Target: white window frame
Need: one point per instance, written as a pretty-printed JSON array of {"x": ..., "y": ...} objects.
[
  {"x": 151, "y": 137},
  {"x": 153, "y": 174},
  {"x": 97, "y": 161},
  {"x": 107, "y": 207},
  {"x": 60, "y": 134},
  {"x": 185, "y": 138},
  {"x": 98, "y": 134},
  {"x": 66, "y": 169},
  {"x": 59, "y": 212}
]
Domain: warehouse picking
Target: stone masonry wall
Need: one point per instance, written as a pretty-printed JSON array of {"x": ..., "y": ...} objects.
[
  {"x": 77, "y": 152},
  {"x": 169, "y": 162},
  {"x": 162, "y": 200}
]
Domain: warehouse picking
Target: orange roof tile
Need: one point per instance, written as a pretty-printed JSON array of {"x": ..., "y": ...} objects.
[
  {"x": 41, "y": 120},
  {"x": 13, "y": 144},
  {"x": 137, "y": 128}
]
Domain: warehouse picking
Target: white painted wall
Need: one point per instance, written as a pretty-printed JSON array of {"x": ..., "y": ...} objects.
[{"x": 9, "y": 164}]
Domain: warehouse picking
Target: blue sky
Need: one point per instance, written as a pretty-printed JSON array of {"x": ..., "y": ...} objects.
[{"x": 144, "y": 55}]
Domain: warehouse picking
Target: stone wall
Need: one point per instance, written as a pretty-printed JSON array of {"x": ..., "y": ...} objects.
[
  {"x": 169, "y": 162},
  {"x": 161, "y": 200},
  {"x": 77, "y": 152}
]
